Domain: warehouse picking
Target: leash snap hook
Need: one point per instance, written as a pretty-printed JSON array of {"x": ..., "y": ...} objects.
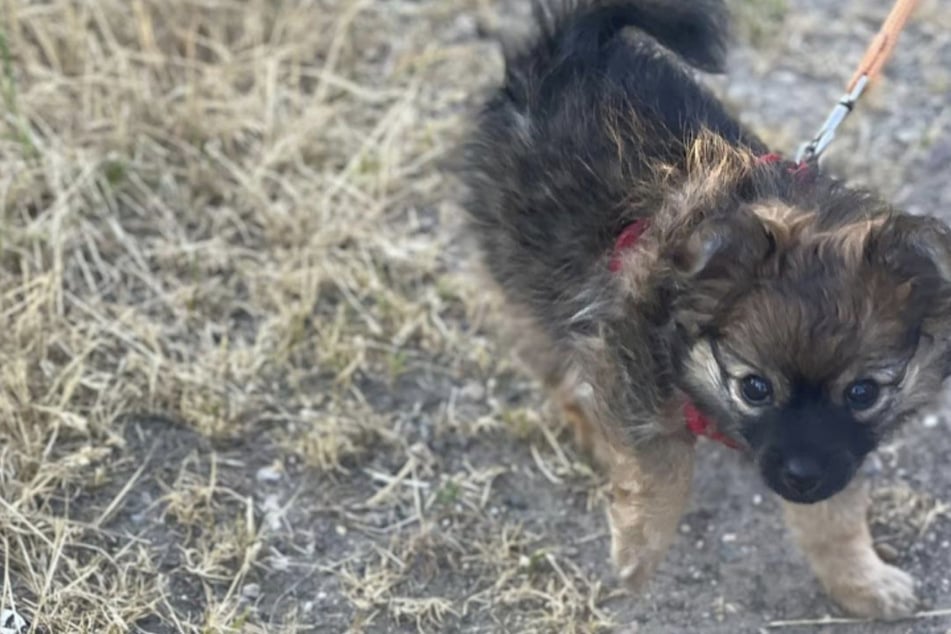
[{"x": 811, "y": 151}]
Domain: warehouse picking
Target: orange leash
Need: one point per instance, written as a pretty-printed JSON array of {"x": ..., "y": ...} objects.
[
  {"x": 882, "y": 46},
  {"x": 871, "y": 65}
]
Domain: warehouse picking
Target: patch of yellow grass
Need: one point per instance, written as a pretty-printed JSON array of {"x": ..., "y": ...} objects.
[{"x": 217, "y": 211}]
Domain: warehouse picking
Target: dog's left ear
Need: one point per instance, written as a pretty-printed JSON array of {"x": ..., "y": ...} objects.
[
  {"x": 916, "y": 248},
  {"x": 723, "y": 246},
  {"x": 720, "y": 254}
]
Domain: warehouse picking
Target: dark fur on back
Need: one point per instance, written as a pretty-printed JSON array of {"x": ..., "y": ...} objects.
[
  {"x": 582, "y": 118},
  {"x": 599, "y": 122}
]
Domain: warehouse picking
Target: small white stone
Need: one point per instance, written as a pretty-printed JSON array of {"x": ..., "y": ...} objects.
[
  {"x": 930, "y": 421},
  {"x": 699, "y": 544},
  {"x": 341, "y": 530},
  {"x": 685, "y": 528},
  {"x": 279, "y": 562},
  {"x": 273, "y": 512},
  {"x": 251, "y": 591},
  {"x": 11, "y": 622},
  {"x": 473, "y": 391},
  {"x": 757, "y": 499},
  {"x": 728, "y": 538},
  {"x": 269, "y": 475}
]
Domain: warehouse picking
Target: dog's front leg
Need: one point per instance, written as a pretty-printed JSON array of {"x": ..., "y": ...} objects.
[
  {"x": 650, "y": 484},
  {"x": 835, "y": 537}
]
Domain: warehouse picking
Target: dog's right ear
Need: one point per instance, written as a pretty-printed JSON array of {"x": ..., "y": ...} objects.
[
  {"x": 723, "y": 246},
  {"x": 914, "y": 247}
]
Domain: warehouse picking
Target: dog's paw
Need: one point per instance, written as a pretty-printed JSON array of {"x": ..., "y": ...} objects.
[
  {"x": 635, "y": 575},
  {"x": 635, "y": 564},
  {"x": 881, "y": 592}
]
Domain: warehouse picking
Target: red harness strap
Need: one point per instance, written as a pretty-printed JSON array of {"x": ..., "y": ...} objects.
[
  {"x": 627, "y": 239},
  {"x": 697, "y": 423},
  {"x": 700, "y": 425}
]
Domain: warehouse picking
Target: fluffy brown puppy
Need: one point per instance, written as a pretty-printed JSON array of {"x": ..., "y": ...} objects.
[{"x": 655, "y": 257}]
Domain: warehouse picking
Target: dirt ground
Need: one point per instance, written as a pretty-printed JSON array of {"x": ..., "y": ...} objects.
[{"x": 247, "y": 383}]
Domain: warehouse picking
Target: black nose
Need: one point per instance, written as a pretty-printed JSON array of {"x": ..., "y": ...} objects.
[{"x": 802, "y": 474}]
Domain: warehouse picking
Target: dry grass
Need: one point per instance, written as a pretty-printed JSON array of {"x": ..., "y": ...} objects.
[
  {"x": 220, "y": 211},
  {"x": 241, "y": 362},
  {"x": 225, "y": 213}
]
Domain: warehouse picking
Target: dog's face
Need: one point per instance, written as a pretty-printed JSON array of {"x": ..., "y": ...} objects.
[{"x": 810, "y": 342}]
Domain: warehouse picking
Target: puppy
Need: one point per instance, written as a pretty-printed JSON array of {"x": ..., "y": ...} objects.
[{"x": 668, "y": 273}]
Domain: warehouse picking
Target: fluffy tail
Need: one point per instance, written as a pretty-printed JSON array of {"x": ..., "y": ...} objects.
[{"x": 696, "y": 30}]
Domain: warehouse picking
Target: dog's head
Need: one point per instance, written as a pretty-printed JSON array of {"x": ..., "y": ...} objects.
[{"x": 810, "y": 334}]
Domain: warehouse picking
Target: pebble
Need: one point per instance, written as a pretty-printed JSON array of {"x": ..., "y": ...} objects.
[
  {"x": 273, "y": 512},
  {"x": 11, "y": 622},
  {"x": 473, "y": 391},
  {"x": 909, "y": 134},
  {"x": 341, "y": 530},
  {"x": 873, "y": 466},
  {"x": 279, "y": 562},
  {"x": 465, "y": 26},
  {"x": 251, "y": 591},
  {"x": 728, "y": 538},
  {"x": 269, "y": 475},
  {"x": 757, "y": 499}
]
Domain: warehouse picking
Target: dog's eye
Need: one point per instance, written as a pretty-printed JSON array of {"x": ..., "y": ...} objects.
[
  {"x": 862, "y": 394},
  {"x": 756, "y": 390}
]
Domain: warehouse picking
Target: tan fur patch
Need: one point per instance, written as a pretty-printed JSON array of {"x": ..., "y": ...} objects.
[{"x": 835, "y": 538}]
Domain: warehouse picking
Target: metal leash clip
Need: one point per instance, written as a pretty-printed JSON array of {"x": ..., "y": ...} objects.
[
  {"x": 811, "y": 151},
  {"x": 871, "y": 65}
]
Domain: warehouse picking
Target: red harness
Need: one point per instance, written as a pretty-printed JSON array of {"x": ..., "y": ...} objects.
[{"x": 697, "y": 423}]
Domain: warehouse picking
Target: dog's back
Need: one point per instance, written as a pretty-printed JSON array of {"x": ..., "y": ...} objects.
[{"x": 564, "y": 153}]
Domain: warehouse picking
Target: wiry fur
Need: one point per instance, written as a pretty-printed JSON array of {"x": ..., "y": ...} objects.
[{"x": 746, "y": 268}]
